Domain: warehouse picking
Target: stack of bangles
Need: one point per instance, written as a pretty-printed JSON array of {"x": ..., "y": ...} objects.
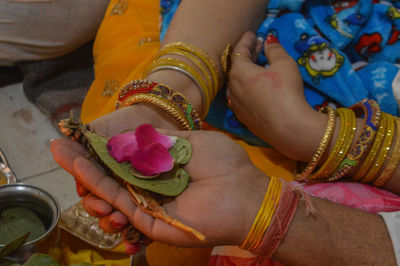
[
  {"x": 175, "y": 104},
  {"x": 192, "y": 62},
  {"x": 273, "y": 219},
  {"x": 374, "y": 156}
]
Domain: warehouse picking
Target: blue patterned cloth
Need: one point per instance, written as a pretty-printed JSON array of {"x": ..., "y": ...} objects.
[{"x": 345, "y": 50}]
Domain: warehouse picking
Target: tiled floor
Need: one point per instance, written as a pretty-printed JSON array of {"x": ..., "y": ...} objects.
[{"x": 24, "y": 137}]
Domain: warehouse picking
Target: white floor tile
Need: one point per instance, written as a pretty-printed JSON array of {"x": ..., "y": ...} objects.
[
  {"x": 24, "y": 134},
  {"x": 58, "y": 183}
]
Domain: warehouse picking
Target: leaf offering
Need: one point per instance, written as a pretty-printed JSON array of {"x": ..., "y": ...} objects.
[
  {"x": 170, "y": 184},
  {"x": 15, "y": 222},
  {"x": 147, "y": 163}
]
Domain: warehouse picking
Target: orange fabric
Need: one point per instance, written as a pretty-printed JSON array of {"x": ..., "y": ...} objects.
[
  {"x": 121, "y": 51},
  {"x": 125, "y": 44}
]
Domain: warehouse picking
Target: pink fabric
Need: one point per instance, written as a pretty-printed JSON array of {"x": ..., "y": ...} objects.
[
  {"x": 355, "y": 195},
  {"x": 360, "y": 196}
]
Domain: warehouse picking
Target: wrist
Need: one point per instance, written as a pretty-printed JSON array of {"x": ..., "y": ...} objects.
[
  {"x": 253, "y": 193},
  {"x": 179, "y": 82},
  {"x": 132, "y": 116}
]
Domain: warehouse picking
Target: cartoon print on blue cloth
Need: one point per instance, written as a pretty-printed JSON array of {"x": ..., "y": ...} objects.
[
  {"x": 373, "y": 37},
  {"x": 317, "y": 100},
  {"x": 368, "y": 44},
  {"x": 318, "y": 57},
  {"x": 340, "y": 21},
  {"x": 291, "y": 5},
  {"x": 393, "y": 12},
  {"x": 334, "y": 77},
  {"x": 167, "y": 10},
  {"x": 378, "y": 78},
  {"x": 391, "y": 52}
]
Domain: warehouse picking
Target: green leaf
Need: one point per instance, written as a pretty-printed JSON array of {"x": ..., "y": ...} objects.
[
  {"x": 41, "y": 260},
  {"x": 172, "y": 183},
  {"x": 13, "y": 245},
  {"x": 15, "y": 222},
  {"x": 181, "y": 151}
]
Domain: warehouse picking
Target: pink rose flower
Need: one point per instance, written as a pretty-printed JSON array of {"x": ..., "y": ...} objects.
[{"x": 145, "y": 149}]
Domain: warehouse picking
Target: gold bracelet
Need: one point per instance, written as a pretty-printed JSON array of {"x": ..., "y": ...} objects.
[
  {"x": 393, "y": 161},
  {"x": 383, "y": 152},
  {"x": 373, "y": 152},
  {"x": 159, "y": 102},
  {"x": 203, "y": 56},
  {"x": 342, "y": 145},
  {"x": 267, "y": 217},
  {"x": 264, "y": 215},
  {"x": 172, "y": 50},
  {"x": 185, "y": 68},
  {"x": 326, "y": 139}
]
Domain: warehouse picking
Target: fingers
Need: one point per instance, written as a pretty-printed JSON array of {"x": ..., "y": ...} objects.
[
  {"x": 131, "y": 249},
  {"x": 95, "y": 206},
  {"x": 81, "y": 190},
  {"x": 113, "y": 223},
  {"x": 102, "y": 185},
  {"x": 65, "y": 152},
  {"x": 275, "y": 52},
  {"x": 112, "y": 193},
  {"x": 247, "y": 49}
]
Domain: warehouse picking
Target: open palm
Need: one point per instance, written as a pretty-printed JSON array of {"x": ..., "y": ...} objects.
[{"x": 219, "y": 201}]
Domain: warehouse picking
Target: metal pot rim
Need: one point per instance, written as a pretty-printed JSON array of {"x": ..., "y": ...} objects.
[{"x": 57, "y": 215}]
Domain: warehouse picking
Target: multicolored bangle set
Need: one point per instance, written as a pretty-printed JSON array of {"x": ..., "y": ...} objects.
[
  {"x": 371, "y": 159},
  {"x": 175, "y": 104},
  {"x": 196, "y": 64},
  {"x": 192, "y": 62}
]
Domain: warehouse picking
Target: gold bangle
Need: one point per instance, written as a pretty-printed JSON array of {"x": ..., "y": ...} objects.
[
  {"x": 342, "y": 145},
  {"x": 383, "y": 152},
  {"x": 172, "y": 50},
  {"x": 264, "y": 215},
  {"x": 267, "y": 217},
  {"x": 203, "y": 56},
  {"x": 393, "y": 161},
  {"x": 159, "y": 102},
  {"x": 185, "y": 68},
  {"x": 326, "y": 139},
  {"x": 373, "y": 152}
]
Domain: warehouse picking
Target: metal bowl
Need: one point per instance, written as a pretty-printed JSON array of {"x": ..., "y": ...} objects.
[{"x": 44, "y": 206}]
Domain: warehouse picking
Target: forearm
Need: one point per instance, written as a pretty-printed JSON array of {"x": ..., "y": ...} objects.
[
  {"x": 300, "y": 140},
  {"x": 209, "y": 25},
  {"x": 336, "y": 235}
]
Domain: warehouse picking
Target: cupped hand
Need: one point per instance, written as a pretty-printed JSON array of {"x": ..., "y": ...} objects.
[{"x": 221, "y": 200}]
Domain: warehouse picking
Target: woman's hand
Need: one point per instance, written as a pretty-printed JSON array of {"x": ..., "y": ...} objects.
[
  {"x": 221, "y": 201},
  {"x": 270, "y": 101}
]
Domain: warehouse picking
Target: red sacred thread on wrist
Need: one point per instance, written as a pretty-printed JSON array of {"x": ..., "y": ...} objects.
[{"x": 281, "y": 221}]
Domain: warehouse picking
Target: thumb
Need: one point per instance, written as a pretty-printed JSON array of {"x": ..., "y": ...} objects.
[{"x": 275, "y": 52}]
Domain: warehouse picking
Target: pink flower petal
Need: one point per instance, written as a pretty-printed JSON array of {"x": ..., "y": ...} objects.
[
  {"x": 146, "y": 134},
  {"x": 121, "y": 147},
  {"x": 153, "y": 159}
]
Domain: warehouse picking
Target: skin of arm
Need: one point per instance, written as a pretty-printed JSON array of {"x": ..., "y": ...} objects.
[
  {"x": 222, "y": 203},
  {"x": 336, "y": 235},
  {"x": 209, "y": 25}
]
